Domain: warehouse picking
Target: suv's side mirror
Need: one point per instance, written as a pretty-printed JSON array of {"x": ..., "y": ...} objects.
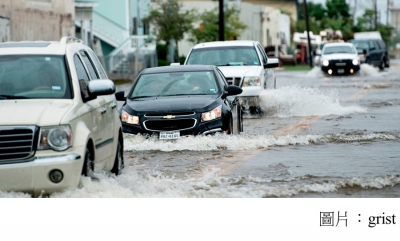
[
  {"x": 364, "y": 51},
  {"x": 101, "y": 87},
  {"x": 272, "y": 63}
]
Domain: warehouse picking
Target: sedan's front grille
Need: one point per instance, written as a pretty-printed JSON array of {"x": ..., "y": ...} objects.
[
  {"x": 169, "y": 125},
  {"x": 233, "y": 80},
  {"x": 16, "y": 143}
]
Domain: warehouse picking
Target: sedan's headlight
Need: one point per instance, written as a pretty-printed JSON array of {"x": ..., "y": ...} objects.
[
  {"x": 325, "y": 62},
  {"x": 130, "y": 119},
  {"x": 211, "y": 115},
  {"x": 251, "y": 81},
  {"x": 58, "y": 138},
  {"x": 356, "y": 62}
]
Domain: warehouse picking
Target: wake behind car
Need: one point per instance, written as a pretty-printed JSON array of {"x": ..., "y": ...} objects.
[
  {"x": 244, "y": 63},
  {"x": 175, "y": 101},
  {"x": 58, "y": 116},
  {"x": 339, "y": 58}
]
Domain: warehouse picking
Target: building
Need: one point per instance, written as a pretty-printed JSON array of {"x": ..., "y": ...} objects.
[{"x": 36, "y": 19}]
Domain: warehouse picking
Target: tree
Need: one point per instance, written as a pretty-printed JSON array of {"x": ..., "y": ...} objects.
[
  {"x": 208, "y": 27},
  {"x": 169, "y": 21}
]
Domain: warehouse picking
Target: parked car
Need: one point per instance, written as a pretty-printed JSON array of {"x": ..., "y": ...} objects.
[
  {"x": 243, "y": 62},
  {"x": 373, "y": 52},
  {"x": 174, "y": 101},
  {"x": 339, "y": 58},
  {"x": 59, "y": 119}
]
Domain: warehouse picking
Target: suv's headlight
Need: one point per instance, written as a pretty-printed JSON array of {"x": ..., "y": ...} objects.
[
  {"x": 325, "y": 62},
  {"x": 356, "y": 62},
  {"x": 211, "y": 115},
  {"x": 251, "y": 81},
  {"x": 58, "y": 138},
  {"x": 130, "y": 119}
]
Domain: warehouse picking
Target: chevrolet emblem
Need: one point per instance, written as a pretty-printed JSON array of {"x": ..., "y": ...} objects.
[{"x": 169, "y": 117}]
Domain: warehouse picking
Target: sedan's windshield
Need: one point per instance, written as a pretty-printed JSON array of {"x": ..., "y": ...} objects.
[
  {"x": 224, "y": 56},
  {"x": 174, "y": 84},
  {"x": 339, "y": 49},
  {"x": 33, "y": 76}
]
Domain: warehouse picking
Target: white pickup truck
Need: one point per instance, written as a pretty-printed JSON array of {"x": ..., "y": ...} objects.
[{"x": 243, "y": 62}]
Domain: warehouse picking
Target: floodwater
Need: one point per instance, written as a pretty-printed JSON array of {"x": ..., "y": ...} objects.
[{"x": 320, "y": 137}]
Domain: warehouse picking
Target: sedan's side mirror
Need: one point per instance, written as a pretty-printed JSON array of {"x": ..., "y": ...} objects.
[
  {"x": 120, "y": 96},
  {"x": 233, "y": 90}
]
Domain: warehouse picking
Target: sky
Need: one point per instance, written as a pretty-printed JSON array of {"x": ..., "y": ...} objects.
[{"x": 364, "y": 4}]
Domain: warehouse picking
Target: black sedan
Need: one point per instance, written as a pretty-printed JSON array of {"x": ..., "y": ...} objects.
[{"x": 181, "y": 100}]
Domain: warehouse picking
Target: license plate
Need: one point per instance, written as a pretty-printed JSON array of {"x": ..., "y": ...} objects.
[
  {"x": 340, "y": 71},
  {"x": 169, "y": 135}
]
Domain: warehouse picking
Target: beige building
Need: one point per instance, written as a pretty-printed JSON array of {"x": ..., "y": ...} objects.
[{"x": 22, "y": 20}]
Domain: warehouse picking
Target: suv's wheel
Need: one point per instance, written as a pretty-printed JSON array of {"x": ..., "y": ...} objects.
[
  {"x": 382, "y": 65},
  {"x": 367, "y": 61},
  {"x": 88, "y": 164},
  {"x": 119, "y": 159}
]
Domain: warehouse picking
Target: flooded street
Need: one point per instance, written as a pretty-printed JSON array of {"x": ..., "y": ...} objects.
[{"x": 320, "y": 137}]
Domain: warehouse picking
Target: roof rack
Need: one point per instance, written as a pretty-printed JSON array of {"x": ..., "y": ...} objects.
[{"x": 70, "y": 39}]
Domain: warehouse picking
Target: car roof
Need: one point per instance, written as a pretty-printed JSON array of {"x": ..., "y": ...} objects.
[
  {"x": 225, "y": 43},
  {"x": 178, "y": 68},
  {"x": 39, "y": 47}
]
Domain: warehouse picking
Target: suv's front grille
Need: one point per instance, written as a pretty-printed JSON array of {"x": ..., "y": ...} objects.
[
  {"x": 233, "y": 80},
  {"x": 16, "y": 143}
]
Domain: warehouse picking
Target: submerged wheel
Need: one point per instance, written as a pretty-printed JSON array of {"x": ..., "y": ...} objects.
[
  {"x": 230, "y": 130},
  {"x": 119, "y": 159},
  {"x": 88, "y": 164},
  {"x": 382, "y": 65}
]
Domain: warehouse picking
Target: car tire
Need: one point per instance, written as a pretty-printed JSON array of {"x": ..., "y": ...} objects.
[
  {"x": 230, "y": 130},
  {"x": 367, "y": 61},
  {"x": 119, "y": 159},
  {"x": 88, "y": 164},
  {"x": 240, "y": 120},
  {"x": 382, "y": 65}
]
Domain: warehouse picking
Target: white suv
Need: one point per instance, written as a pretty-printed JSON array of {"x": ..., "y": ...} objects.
[
  {"x": 243, "y": 62},
  {"x": 59, "y": 117}
]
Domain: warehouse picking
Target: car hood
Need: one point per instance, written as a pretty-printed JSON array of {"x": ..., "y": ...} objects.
[
  {"x": 339, "y": 56},
  {"x": 240, "y": 71},
  {"x": 41, "y": 112},
  {"x": 172, "y": 103}
]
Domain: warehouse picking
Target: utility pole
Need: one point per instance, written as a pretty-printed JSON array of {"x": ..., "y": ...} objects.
[
  {"x": 376, "y": 15},
  {"x": 387, "y": 13},
  {"x": 221, "y": 23},
  {"x": 308, "y": 34}
]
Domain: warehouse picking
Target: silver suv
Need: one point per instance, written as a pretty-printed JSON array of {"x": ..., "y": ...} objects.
[{"x": 59, "y": 116}]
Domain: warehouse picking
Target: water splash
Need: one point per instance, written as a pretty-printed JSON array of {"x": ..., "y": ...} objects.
[{"x": 294, "y": 100}]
